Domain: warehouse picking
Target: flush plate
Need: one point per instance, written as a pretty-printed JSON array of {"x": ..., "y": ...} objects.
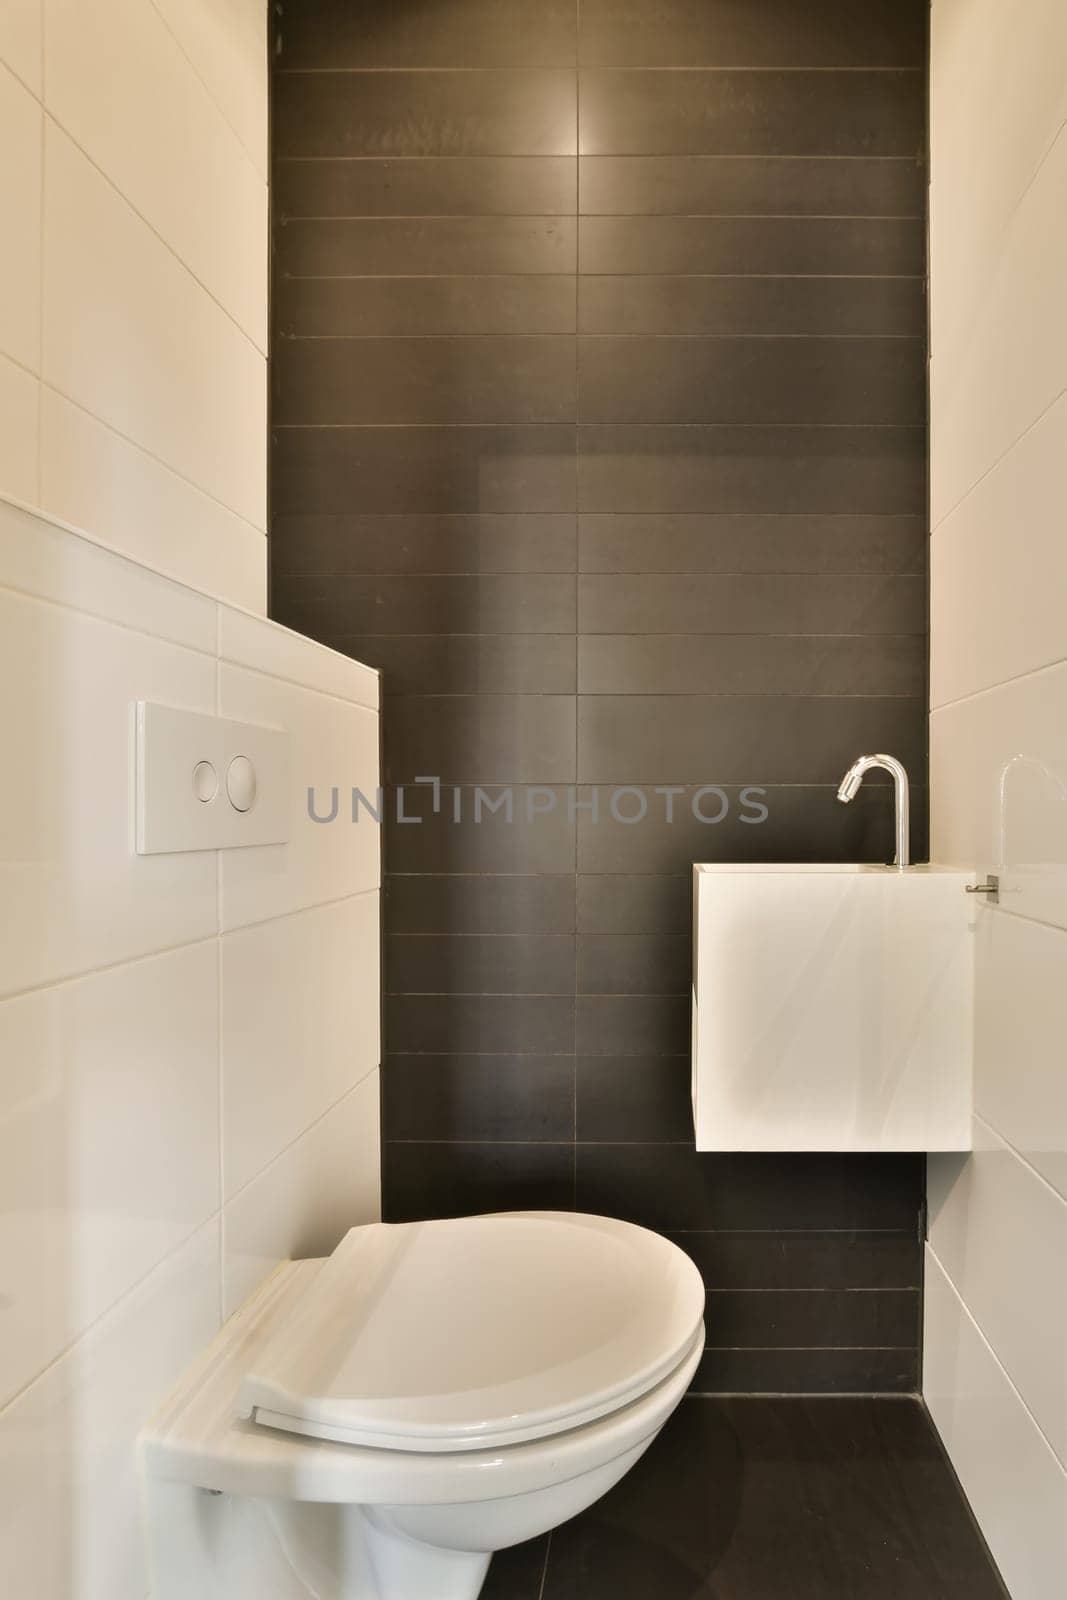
[{"x": 193, "y": 786}]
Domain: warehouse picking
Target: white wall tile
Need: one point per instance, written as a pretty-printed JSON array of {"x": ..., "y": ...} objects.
[
  {"x": 332, "y": 744},
  {"x": 1000, "y": 79},
  {"x": 19, "y": 396},
  {"x": 299, "y": 1025},
  {"x": 75, "y": 895},
  {"x": 226, "y": 41},
  {"x": 21, "y": 122},
  {"x": 186, "y": 385},
  {"x": 109, "y": 1143},
  {"x": 1013, "y": 362},
  {"x": 998, "y": 774},
  {"x": 56, "y": 563},
  {"x": 20, "y": 40},
  {"x": 94, "y": 479},
  {"x": 301, "y": 1205},
  {"x": 120, "y": 84},
  {"x": 1020, "y": 1031},
  {"x": 248, "y": 641},
  {"x": 68, "y": 1461},
  {"x": 1015, "y": 1485},
  {"x": 1000, "y": 1233}
]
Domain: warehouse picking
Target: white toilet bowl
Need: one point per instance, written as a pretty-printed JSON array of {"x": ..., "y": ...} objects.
[{"x": 374, "y": 1426}]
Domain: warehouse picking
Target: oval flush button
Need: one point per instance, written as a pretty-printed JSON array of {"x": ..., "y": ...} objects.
[
  {"x": 205, "y": 782},
  {"x": 241, "y": 783}
]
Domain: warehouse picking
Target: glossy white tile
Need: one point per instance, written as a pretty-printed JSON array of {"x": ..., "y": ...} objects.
[
  {"x": 299, "y": 1025},
  {"x": 998, "y": 775},
  {"x": 109, "y": 1143},
  {"x": 226, "y": 42},
  {"x": 19, "y": 400},
  {"x": 70, "y": 1528},
  {"x": 40, "y": 558},
  {"x": 95, "y": 479},
  {"x": 325, "y": 1183},
  {"x": 1015, "y": 1485},
  {"x": 998, "y": 570},
  {"x": 1011, "y": 365},
  {"x": 332, "y": 744},
  {"x": 21, "y": 124},
  {"x": 120, "y": 84},
  {"x": 1020, "y": 1027},
  {"x": 188, "y": 387},
  {"x": 1000, "y": 1233},
  {"x": 20, "y": 40},
  {"x": 250, "y": 641},
  {"x": 76, "y": 897}
]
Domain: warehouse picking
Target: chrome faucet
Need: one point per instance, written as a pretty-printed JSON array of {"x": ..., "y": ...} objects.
[{"x": 850, "y": 788}]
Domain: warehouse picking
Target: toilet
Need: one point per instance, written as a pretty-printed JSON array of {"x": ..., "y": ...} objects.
[{"x": 373, "y": 1426}]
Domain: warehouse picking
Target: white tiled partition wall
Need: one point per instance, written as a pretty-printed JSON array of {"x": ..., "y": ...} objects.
[
  {"x": 995, "y": 1373},
  {"x": 133, "y": 278},
  {"x": 188, "y": 1043}
]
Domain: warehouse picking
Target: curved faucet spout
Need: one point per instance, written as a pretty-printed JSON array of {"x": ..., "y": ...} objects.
[{"x": 850, "y": 787}]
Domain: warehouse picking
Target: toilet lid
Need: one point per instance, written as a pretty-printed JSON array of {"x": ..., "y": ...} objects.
[{"x": 477, "y": 1331}]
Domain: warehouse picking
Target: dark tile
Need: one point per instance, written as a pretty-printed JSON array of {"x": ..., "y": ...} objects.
[
  {"x": 453, "y": 1180},
  {"x": 807, "y": 1498},
  {"x": 486, "y": 739},
  {"x": 826, "y": 1372},
  {"x": 793, "y": 246},
  {"x": 752, "y": 469},
  {"x": 634, "y": 963},
  {"x": 440, "y": 603},
  {"x": 424, "y": 246},
  {"x": 501, "y": 469},
  {"x": 328, "y": 381},
  {"x": 846, "y": 307},
  {"x": 635, "y": 739},
  {"x": 632, "y": 1025},
  {"x": 769, "y": 113},
  {"x": 647, "y": 904},
  {"x": 358, "y": 307},
  {"x": 752, "y": 664},
  {"x": 746, "y": 603},
  {"x": 665, "y": 1186},
  {"x": 516, "y": 663},
  {"x": 522, "y": 112},
  {"x": 480, "y": 1024},
  {"x": 538, "y": 837},
  {"x": 474, "y": 186},
  {"x": 464, "y": 33},
  {"x": 517, "y": 1572},
  {"x": 801, "y": 823},
  {"x": 794, "y": 1319},
  {"x": 740, "y": 186},
  {"x": 310, "y": 546},
  {"x": 776, "y": 33},
  {"x": 447, "y": 963},
  {"x": 774, "y": 544},
  {"x": 635, "y": 379},
  {"x": 459, "y": 1098},
  {"x": 795, "y": 1260},
  {"x": 480, "y": 904},
  {"x": 633, "y": 1099}
]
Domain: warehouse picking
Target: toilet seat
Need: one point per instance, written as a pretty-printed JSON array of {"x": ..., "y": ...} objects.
[{"x": 475, "y": 1332}]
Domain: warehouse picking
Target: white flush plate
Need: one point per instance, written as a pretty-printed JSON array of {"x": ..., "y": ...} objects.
[{"x": 180, "y": 807}]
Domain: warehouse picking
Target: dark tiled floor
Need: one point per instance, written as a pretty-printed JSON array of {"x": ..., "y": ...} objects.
[{"x": 769, "y": 1499}]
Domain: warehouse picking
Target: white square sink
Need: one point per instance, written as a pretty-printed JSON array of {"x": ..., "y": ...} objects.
[{"x": 832, "y": 1007}]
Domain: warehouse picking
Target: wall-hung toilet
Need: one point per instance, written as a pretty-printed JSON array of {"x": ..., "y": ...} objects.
[{"x": 375, "y": 1425}]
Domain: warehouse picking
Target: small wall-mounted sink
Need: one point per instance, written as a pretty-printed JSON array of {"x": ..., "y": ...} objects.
[{"x": 832, "y": 1007}]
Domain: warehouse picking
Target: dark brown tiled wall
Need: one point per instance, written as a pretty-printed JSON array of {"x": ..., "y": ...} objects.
[{"x": 599, "y": 426}]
